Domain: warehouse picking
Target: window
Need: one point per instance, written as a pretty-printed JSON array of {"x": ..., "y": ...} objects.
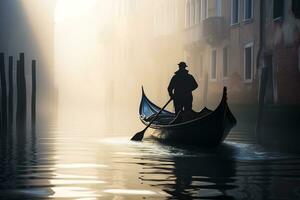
[
  {"x": 277, "y": 9},
  {"x": 187, "y": 14},
  {"x": 234, "y": 11},
  {"x": 248, "y": 8},
  {"x": 210, "y": 8},
  {"x": 219, "y": 8},
  {"x": 214, "y": 8},
  {"x": 296, "y": 8},
  {"x": 198, "y": 11},
  {"x": 204, "y": 9},
  {"x": 225, "y": 62},
  {"x": 192, "y": 12},
  {"x": 248, "y": 62},
  {"x": 213, "y": 65}
]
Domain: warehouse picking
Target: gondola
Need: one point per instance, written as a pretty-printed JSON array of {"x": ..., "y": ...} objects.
[{"x": 205, "y": 128}]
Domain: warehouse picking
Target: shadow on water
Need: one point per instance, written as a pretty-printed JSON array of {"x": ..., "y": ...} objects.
[{"x": 193, "y": 173}]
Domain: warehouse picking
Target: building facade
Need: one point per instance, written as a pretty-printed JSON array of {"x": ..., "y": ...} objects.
[
  {"x": 279, "y": 94},
  {"x": 222, "y": 41},
  {"x": 252, "y": 47},
  {"x": 280, "y": 55},
  {"x": 229, "y": 42}
]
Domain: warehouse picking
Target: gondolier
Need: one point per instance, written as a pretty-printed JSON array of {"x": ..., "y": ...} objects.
[
  {"x": 207, "y": 128},
  {"x": 180, "y": 89}
]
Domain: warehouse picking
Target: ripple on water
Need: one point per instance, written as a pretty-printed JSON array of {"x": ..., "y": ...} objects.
[{"x": 64, "y": 167}]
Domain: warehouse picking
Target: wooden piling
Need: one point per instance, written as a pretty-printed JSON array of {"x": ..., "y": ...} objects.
[
  {"x": 23, "y": 83},
  {"x": 3, "y": 95},
  {"x": 10, "y": 93},
  {"x": 18, "y": 93},
  {"x": 33, "y": 95},
  {"x": 21, "y": 91}
]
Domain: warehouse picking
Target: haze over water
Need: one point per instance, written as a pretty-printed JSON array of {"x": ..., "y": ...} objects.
[
  {"x": 74, "y": 162},
  {"x": 84, "y": 152}
]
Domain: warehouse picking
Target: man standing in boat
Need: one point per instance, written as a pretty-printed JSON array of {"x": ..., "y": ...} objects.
[{"x": 180, "y": 89}]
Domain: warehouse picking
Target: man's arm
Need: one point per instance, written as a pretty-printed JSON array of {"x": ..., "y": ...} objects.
[
  {"x": 194, "y": 84},
  {"x": 171, "y": 87}
]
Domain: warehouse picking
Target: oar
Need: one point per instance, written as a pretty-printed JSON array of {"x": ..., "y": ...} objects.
[{"x": 139, "y": 136}]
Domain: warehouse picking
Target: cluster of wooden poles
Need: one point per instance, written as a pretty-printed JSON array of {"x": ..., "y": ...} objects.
[{"x": 11, "y": 112}]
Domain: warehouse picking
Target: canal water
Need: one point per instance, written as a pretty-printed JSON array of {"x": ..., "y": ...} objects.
[{"x": 66, "y": 163}]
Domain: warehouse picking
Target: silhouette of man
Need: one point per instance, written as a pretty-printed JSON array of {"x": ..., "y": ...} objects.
[{"x": 180, "y": 89}]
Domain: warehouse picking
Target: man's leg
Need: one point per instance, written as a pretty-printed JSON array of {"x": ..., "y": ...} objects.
[
  {"x": 178, "y": 106},
  {"x": 188, "y": 103}
]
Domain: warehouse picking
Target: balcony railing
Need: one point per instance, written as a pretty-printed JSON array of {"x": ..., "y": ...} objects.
[
  {"x": 214, "y": 30},
  {"x": 211, "y": 31},
  {"x": 193, "y": 35}
]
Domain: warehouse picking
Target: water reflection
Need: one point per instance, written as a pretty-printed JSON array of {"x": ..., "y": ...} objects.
[
  {"x": 55, "y": 163},
  {"x": 20, "y": 164},
  {"x": 200, "y": 173}
]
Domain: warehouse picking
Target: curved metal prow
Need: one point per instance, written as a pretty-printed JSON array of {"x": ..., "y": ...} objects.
[
  {"x": 223, "y": 101},
  {"x": 143, "y": 92}
]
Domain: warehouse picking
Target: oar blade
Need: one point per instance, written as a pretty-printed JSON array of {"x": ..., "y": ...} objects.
[{"x": 138, "y": 136}]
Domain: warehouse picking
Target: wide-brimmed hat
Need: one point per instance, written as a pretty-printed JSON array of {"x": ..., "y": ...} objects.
[{"x": 182, "y": 64}]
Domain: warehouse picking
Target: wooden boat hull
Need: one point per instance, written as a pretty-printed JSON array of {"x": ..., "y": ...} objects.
[{"x": 209, "y": 129}]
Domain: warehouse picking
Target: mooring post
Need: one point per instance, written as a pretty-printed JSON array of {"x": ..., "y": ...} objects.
[
  {"x": 23, "y": 83},
  {"x": 18, "y": 110},
  {"x": 10, "y": 93},
  {"x": 21, "y": 91},
  {"x": 33, "y": 95},
  {"x": 3, "y": 94}
]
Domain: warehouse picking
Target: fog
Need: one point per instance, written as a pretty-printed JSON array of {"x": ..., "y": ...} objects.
[
  {"x": 95, "y": 55},
  {"x": 103, "y": 56},
  {"x": 93, "y": 58}
]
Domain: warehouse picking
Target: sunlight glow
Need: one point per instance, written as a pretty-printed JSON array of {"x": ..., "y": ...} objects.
[
  {"x": 65, "y": 176},
  {"x": 67, "y": 9},
  {"x": 73, "y": 192},
  {"x": 74, "y": 182},
  {"x": 77, "y": 64},
  {"x": 130, "y": 192},
  {"x": 79, "y": 165}
]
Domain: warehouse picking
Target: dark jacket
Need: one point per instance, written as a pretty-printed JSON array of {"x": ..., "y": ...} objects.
[{"x": 182, "y": 84}]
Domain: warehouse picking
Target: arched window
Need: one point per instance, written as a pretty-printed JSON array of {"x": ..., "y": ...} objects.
[{"x": 187, "y": 13}]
